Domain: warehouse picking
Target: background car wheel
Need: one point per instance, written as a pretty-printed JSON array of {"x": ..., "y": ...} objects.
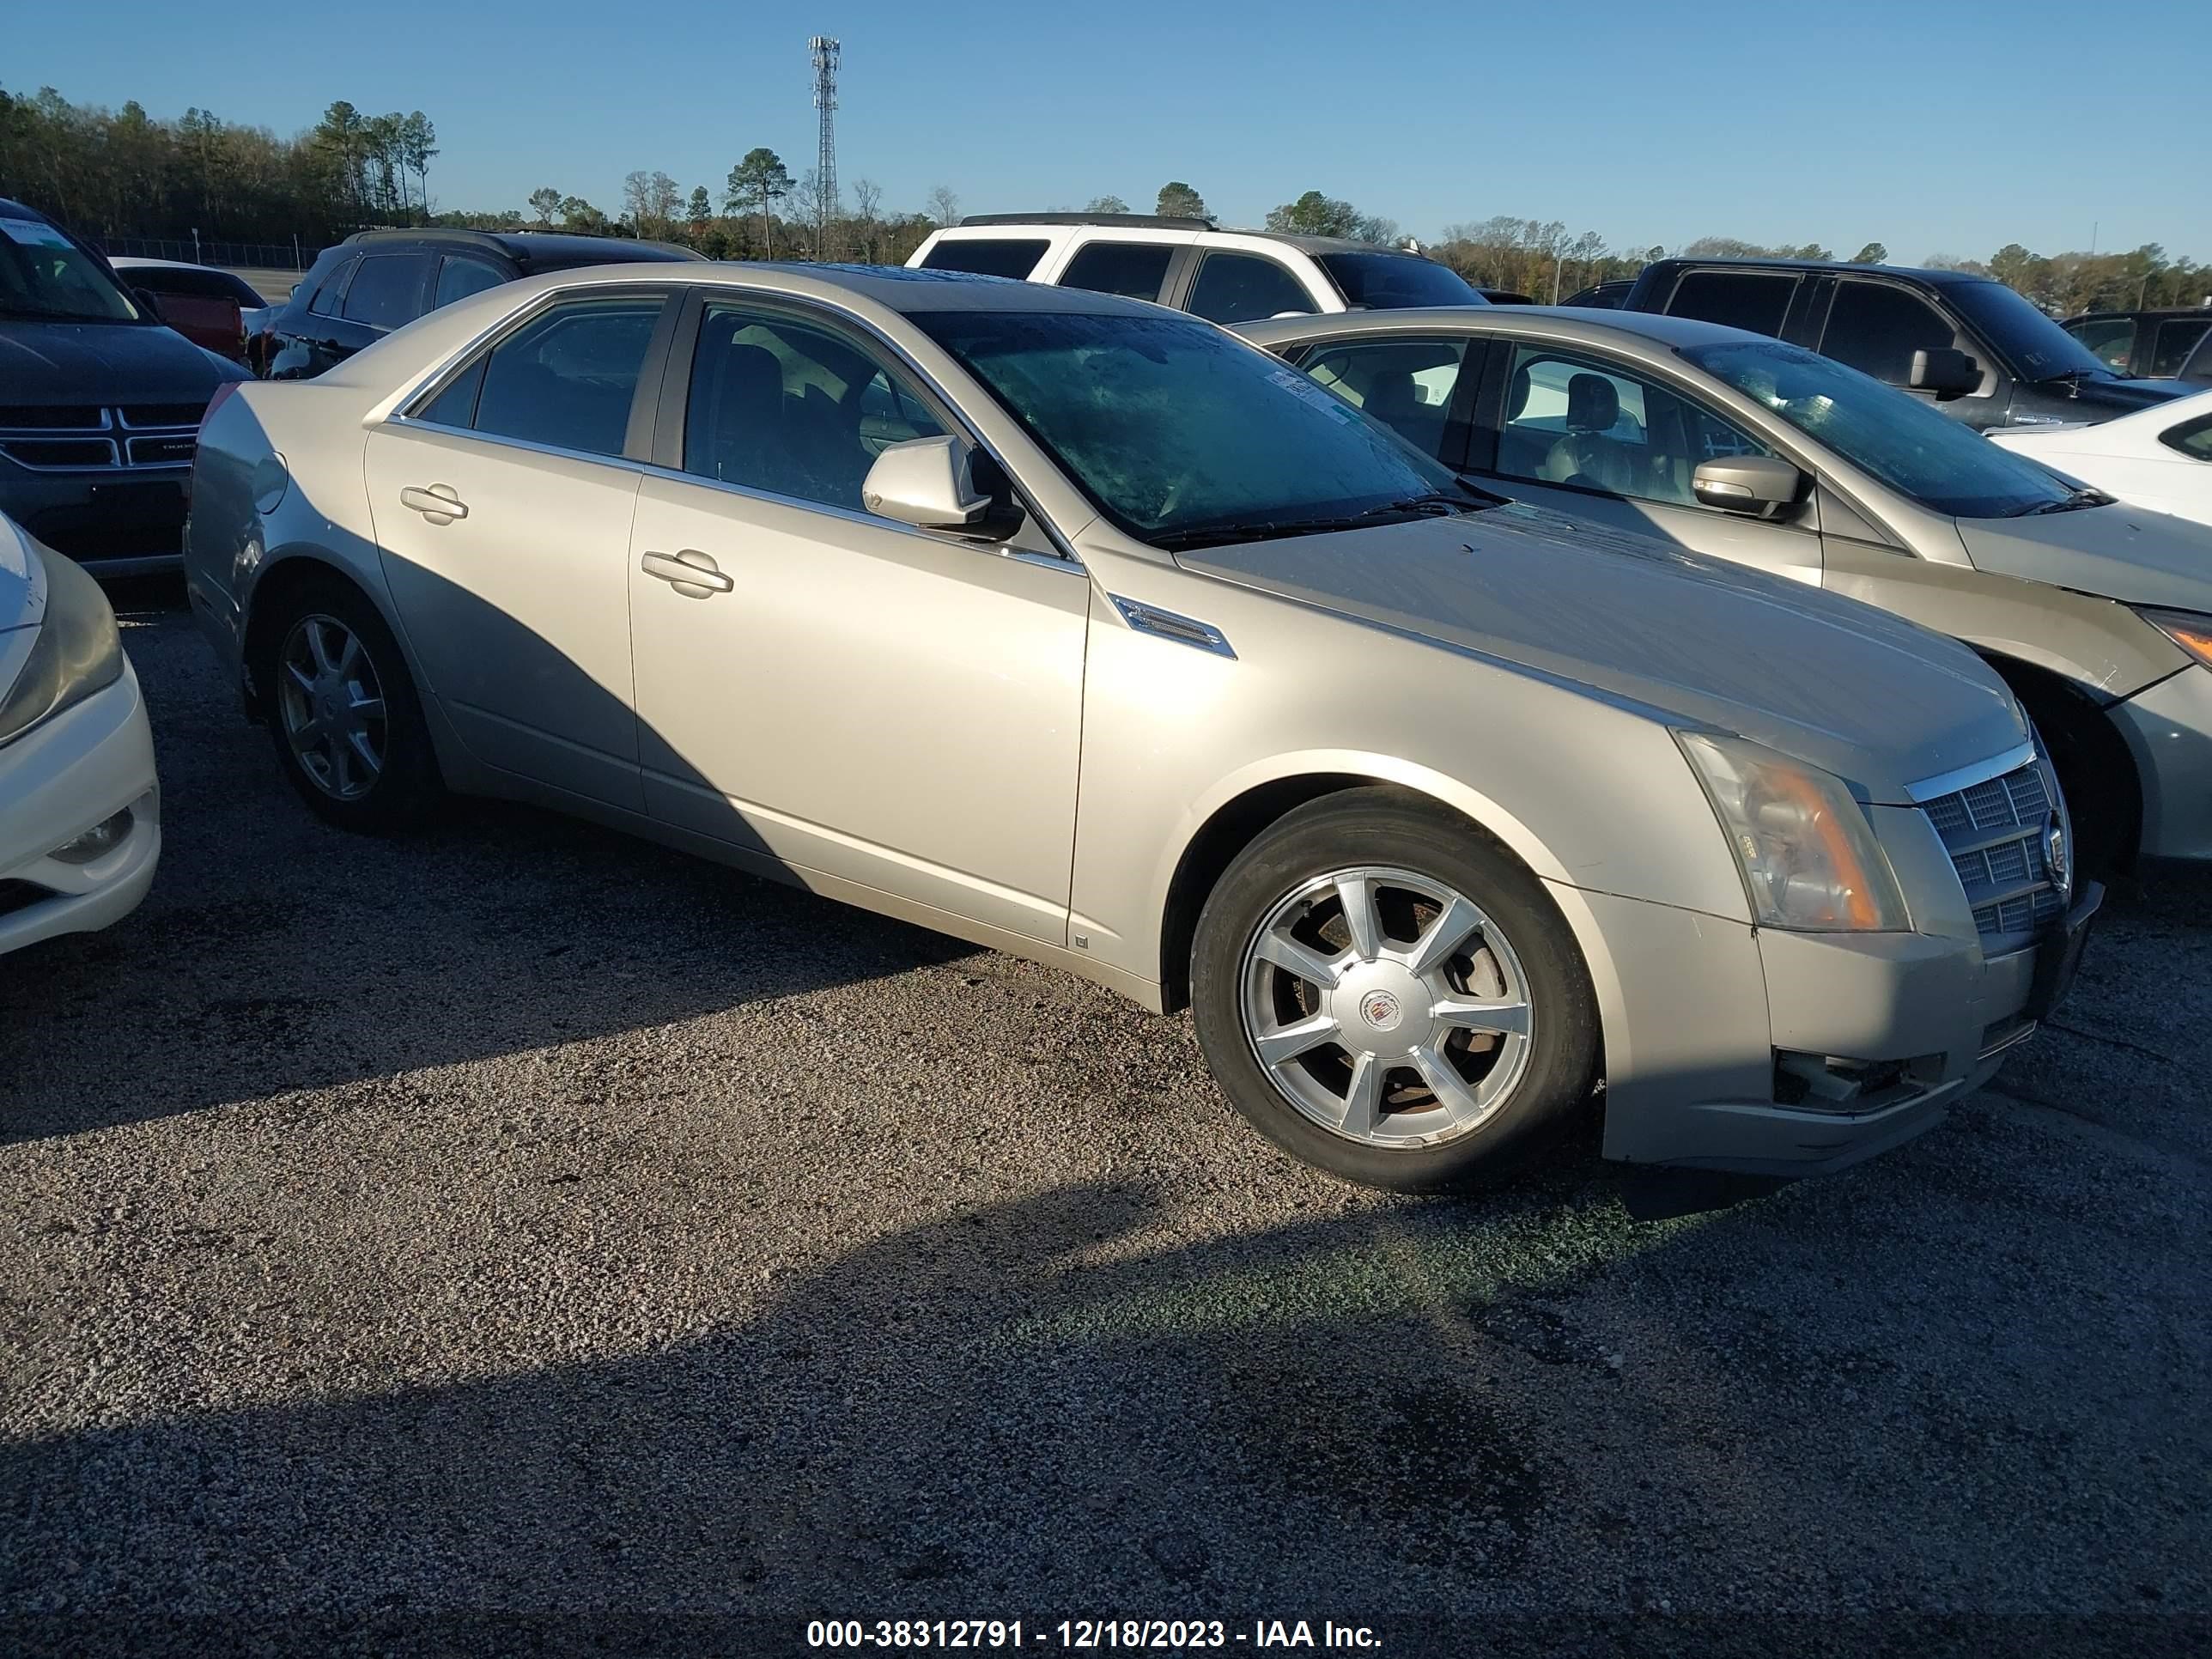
[
  {"x": 348, "y": 726},
  {"x": 1388, "y": 995}
]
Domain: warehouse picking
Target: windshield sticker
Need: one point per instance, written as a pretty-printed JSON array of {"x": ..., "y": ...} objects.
[
  {"x": 1300, "y": 387},
  {"x": 32, "y": 233}
]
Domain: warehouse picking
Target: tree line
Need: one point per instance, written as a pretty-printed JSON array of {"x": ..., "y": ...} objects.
[{"x": 123, "y": 173}]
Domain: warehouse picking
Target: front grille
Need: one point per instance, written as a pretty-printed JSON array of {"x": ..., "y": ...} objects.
[
  {"x": 82, "y": 437},
  {"x": 1997, "y": 833}
]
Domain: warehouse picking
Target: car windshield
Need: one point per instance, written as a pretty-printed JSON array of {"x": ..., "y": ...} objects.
[
  {"x": 1943, "y": 464},
  {"x": 44, "y": 274},
  {"x": 1394, "y": 282},
  {"x": 2034, "y": 347},
  {"x": 1184, "y": 435}
]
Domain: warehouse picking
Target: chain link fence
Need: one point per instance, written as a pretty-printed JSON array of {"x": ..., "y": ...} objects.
[{"x": 294, "y": 255}]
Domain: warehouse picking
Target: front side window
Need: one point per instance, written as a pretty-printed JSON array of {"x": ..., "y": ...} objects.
[
  {"x": 459, "y": 279},
  {"x": 1876, "y": 328},
  {"x": 1241, "y": 287},
  {"x": 791, "y": 409},
  {"x": 1135, "y": 270},
  {"x": 565, "y": 379},
  {"x": 1754, "y": 300},
  {"x": 2177, "y": 338},
  {"x": 332, "y": 290},
  {"x": 1396, "y": 282},
  {"x": 1182, "y": 435},
  {"x": 387, "y": 292},
  {"x": 1408, "y": 384},
  {"x": 2108, "y": 339},
  {"x": 1574, "y": 421},
  {"x": 986, "y": 256},
  {"x": 2192, "y": 438},
  {"x": 45, "y": 276},
  {"x": 1905, "y": 442}
]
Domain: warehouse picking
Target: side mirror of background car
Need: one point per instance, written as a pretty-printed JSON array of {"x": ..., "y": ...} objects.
[
  {"x": 151, "y": 302},
  {"x": 928, "y": 483},
  {"x": 1747, "y": 483},
  {"x": 1945, "y": 372}
]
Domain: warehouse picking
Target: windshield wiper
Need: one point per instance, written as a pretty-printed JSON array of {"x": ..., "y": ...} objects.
[
  {"x": 2078, "y": 498},
  {"x": 1432, "y": 504},
  {"x": 2075, "y": 376}
]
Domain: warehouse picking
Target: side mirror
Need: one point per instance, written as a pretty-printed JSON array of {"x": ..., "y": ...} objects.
[
  {"x": 151, "y": 300},
  {"x": 1945, "y": 372},
  {"x": 928, "y": 483},
  {"x": 1761, "y": 484}
]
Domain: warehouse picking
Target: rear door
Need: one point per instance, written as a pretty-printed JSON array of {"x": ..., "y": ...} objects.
[
  {"x": 1758, "y": 301},
  {"x": 1233, "y": 285},
  {"x": 1586, "y": 433},
  {"x": 503, "y": 503}
]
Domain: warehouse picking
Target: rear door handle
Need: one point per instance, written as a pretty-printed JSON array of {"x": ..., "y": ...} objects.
[
  {"x": 440, "y": 503},
  {"x": 690, "y": 572}
]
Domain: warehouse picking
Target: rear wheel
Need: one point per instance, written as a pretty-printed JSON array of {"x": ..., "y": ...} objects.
[
  {"x": 1389, "y": 995},
  {"x": 348, "y": 726}
]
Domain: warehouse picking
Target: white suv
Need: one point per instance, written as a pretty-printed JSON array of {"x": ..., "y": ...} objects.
[{"x": 1223, "y": 275}]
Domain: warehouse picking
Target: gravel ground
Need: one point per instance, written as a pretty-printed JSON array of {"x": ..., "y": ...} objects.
[{"x": 523, "y": 1238}]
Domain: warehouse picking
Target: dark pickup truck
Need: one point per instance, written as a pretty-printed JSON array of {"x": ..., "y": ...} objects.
[{"x": 1981, "y": 350}]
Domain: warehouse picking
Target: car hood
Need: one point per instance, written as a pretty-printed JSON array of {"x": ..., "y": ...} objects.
[
  {"x": 2117, "y": 394},
  {"x": 2117, "y": 552},
  {"x": 1854, "y": 690},
  {"x": 105, "y": 364}
]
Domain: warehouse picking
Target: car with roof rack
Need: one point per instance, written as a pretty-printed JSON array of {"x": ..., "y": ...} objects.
[
  {"x": 376, "y": 281},
  {"x": 1193, "y": 265}
]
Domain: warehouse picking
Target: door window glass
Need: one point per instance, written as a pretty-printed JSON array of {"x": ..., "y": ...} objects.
[
  {"x": 790, "y": 409},
  {"x": 1757, "y": 300},
  {"x": 1135, "y": 270},
  {"x": 1876, "y": 328},
  {"x": 2109, "y": 339},
  {"x": 986, "y": 256},
  {"x": 325, "y": 302},
  {"x": 459, "y": 279},
  {"x": 1408, "y": 384},
  {"x": 1569, "y": 420},
  {"x": 566, "y": 379},
  {"x": 2193, "y": 438},
  {"x": 387, "y": 291},
  {"x": 2177, "y": 338},
  {"x": 1238, "y": 288}
]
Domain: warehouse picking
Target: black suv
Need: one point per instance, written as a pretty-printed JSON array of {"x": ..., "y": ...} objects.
[
  {"x": 376, "y": 281},
  {"x": 99, "y": 403},
  {"x": 1987, "y": 356},
  {"x": 2155, "y": 345}
]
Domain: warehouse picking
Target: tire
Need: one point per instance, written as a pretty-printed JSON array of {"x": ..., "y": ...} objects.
[
  {"x": 1400, "y": 1121},
  {"x": 326, "y": 660}
]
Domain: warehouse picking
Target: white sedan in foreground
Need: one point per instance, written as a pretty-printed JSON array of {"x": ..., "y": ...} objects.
[
  {"x": 2159, "y": 458},
  {"x": 80, "y": 817}
]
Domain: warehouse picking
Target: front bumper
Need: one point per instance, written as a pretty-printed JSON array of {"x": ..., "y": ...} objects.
[
  {"x": 60, "y": 780},
  {"x": 1710, "y": 1026},
  {"x": 2168, "y": 729},
  {"x": 117, "y": 521}
]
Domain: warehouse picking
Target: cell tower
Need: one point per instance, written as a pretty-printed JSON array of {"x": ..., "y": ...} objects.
[{"x": 825, "y": 162}]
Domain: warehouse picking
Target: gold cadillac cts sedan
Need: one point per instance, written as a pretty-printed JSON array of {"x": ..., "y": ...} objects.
[{"x": 1082, "y": 630}]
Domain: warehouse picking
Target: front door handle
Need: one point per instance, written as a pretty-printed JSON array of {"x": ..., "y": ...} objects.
[
  {"x": 440, "y": 503},
  {"x": 690, "y": 573}
]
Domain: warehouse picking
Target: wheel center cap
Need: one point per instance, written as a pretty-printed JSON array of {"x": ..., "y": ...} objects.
[{"x": 1382, "y": 1010}]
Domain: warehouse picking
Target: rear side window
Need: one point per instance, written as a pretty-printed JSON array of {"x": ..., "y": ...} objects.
[
  {"x": 387, "y": 291},
  {"x": 1757, "y": 300},
  {"x": 326, "y": 302},
  {"x": 1135, "y": 270},
  {"x": 986, "y": 256},
  {"x": 2177, "y": 338},
  {"x": 1875, "y": 329},
  {"x": 2193, "y": 438},
  {"x": 459, "y": 279},
  {"x": 1238, "y": 288},
  {"x": 566, "y": 379}
]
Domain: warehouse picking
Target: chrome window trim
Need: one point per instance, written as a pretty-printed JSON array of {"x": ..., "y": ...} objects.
[{"x": 1965, "y": 777}]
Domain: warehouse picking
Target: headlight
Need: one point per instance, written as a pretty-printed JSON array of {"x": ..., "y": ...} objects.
[
  {"x": 2192, "y": 633},
  {"x": 77, "y": 652},
  {"x": 1809, "y": 858}
]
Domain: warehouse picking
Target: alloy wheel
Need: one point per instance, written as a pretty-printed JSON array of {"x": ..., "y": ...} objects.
[{"x": 331, "y": 704}]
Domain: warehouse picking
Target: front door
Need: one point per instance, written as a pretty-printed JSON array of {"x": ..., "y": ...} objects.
[
  {"x": 833, "y": 691},
  {"x": 1588, "y": 434},
  {"x": 503, "y": 509}
]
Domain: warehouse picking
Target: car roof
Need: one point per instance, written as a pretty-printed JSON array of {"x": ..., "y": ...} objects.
[
  {"x": 550, "y": 249},
  {"x": 2155, "y": 313},
  {"x": 16, "y": 210},
  {"x": 896, "y": 288},
  {"x": 1563, "y": 322},
  {"x": 1918, "y": 273}
]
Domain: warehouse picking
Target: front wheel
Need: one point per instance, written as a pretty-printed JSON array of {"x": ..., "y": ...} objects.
[{"x": 1388, "y": 995}]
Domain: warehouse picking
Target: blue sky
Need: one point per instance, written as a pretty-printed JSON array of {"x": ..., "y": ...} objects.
[{"x": 1939, "y": 126}]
